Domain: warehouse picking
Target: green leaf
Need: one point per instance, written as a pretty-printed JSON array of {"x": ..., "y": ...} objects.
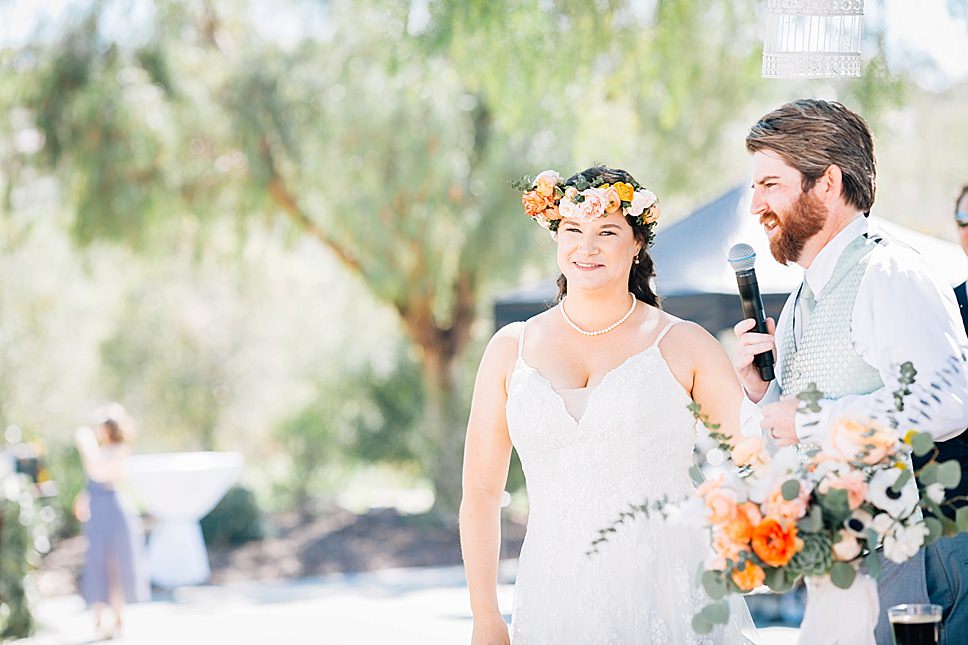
[
  {"x": 716, "y": 613},
  {"x": 928, "y": 474},
  {"x": 950, "y": 527},
  {"x": 696, "y": 473},
  {"x": 835, "y": 506},
  {"x": 898, "y": 485},
  {"x": 713, "y": 583},
  {"x": 949, "y": 473},
  {"x": 873, "y": 565},
  {"x": 776, "y": 579},
  {"x": 790, "y": 489},
  {"x": 961, "y": 519},
  {"x": 701, "y": 625},
  {"x": 842, "y": 574},
  {"x": 813, "y": 522},
  {"x": 934, "y": 529},
  {"x": 922, "y": 443}
]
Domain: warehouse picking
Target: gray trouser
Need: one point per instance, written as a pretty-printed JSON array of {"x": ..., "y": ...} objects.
[
  {"x": 937, "y": 574},
  {"x": 946, "y": 575},
  {"x": 899, "y": 584}
]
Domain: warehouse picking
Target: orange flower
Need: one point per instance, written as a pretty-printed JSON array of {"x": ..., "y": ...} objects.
[
  {"x": 749, "y": 577},
  {"x": 625, "y": 191},
  {"x": 774, "y": 544},
  {"x": 740, "y": 529},
  {"x": 534, "y": 202}
]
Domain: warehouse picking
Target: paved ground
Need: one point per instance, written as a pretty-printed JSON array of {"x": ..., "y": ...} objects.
[{"x": 400, "y": 606}]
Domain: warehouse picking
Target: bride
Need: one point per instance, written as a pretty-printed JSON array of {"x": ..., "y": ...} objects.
[{"x": 593, "y": 394}]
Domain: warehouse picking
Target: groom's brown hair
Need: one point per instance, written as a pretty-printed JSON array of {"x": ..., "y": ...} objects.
[{"x": 811, "y": 134}]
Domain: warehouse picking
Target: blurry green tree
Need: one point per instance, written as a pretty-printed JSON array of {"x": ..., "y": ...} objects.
[{"x": 387, "y": 133}]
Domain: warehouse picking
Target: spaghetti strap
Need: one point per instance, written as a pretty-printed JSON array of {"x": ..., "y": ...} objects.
[
  {"x": 665, "y": 330},
  {"x": 521, "y": 341}
]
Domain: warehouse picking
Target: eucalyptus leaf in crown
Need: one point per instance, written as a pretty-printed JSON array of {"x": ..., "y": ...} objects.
[{"x": 547, "y": 200}]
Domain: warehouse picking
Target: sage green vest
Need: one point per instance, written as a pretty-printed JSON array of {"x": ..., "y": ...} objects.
[{"x": 825, "y": 354}]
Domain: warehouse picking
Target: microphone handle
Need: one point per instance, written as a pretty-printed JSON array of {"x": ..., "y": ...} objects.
[{"x": 752, "y": 301}]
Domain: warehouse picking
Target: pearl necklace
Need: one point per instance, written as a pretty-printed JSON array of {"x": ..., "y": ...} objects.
[{"x": 598, "y": 332}]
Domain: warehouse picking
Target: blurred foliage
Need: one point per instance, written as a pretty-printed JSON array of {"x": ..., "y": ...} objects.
[
  {"x": 235, "y": 520},
  {"x": 17, "y": 522},
  {"x": 67, "y": 472},
  {"x": 359, "y": 418}
]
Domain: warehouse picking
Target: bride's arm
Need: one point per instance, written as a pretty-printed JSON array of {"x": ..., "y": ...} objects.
[
  {"x": 715, "y": 386},
  {"x": 487, "y": 455}
]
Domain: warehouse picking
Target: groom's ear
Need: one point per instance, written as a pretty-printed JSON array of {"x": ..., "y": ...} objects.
[{"x": 830, "y": 185}]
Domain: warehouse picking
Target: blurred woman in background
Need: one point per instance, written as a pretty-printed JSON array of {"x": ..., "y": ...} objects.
[{"x": 114, "y": 570}]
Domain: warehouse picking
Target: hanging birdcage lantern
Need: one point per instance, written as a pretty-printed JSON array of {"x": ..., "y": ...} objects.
[{"x": 813, "y": 38}]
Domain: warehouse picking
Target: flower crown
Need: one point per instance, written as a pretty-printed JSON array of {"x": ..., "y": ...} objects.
[{"x": 547, "y": 200}]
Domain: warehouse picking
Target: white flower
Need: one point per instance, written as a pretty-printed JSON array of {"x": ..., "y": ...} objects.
[
  {"x": 882, "y": 523},
  {"x": 858, "y": 522},
  {"x": 568, "y": 208},
  {"x": 641, "y": 200},
  {"x": 880, "y": 494},
  {"x": 904, "y": 542},
  {"x": 935, "y": 492}
]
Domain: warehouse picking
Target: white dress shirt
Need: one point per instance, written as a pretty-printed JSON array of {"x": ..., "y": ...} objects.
[{"x": 903, "y": 312}]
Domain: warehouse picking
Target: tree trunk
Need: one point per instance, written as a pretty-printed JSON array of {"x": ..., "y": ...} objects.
[{"x": 443, "y": 438}]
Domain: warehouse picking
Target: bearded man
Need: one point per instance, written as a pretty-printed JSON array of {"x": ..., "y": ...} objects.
[{"x": 867, "y": 304}]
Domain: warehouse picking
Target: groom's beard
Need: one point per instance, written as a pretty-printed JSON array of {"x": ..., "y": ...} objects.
[{"x": 804, "y": 220}]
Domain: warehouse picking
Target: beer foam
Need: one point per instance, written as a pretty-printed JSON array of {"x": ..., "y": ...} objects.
[{"x": 915, "y": 619}]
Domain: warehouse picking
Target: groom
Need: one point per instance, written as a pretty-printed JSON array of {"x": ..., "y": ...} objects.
[{"x": 866, "y": 305}]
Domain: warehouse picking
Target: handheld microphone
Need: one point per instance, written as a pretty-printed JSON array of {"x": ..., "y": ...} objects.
[{"x": 742, "y": 257}]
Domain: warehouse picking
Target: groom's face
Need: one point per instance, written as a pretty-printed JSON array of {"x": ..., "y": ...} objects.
[{"x": 789, "y": 215}]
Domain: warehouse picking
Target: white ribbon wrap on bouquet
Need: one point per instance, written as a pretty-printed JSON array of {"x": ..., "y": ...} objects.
[{"x": 835, "y": 616}]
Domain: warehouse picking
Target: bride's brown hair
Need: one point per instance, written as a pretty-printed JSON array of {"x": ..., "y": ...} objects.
[{"x": 642, "y": 272}]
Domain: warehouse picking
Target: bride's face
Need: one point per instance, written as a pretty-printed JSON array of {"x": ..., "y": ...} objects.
[{"x": 598, "y": 253}]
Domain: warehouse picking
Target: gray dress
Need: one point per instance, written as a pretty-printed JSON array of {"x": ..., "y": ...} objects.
[{"x": 115, "y": 548}]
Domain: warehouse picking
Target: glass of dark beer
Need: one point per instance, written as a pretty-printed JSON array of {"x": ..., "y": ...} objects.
[{"x": 915, "y": 624}]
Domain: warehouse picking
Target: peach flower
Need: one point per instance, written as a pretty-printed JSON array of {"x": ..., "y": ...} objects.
[
  {"x": 749, "y": 577},
  {"x": 592, "y": 206},
  {"x": 546, "y": 181},
  {"x": 847, "y": 548},
  {"x": 534, "y": 202},
  {"x": 612, "y": 201},
  {"x": 749, "y": 451},
  {"x": 867, "y": 441},
  {"x": 722, "y": 505},
  {"x": 784, "y": 509},
  {"x": 853, "y": 482},
  {"x": 725, "y": 547}
]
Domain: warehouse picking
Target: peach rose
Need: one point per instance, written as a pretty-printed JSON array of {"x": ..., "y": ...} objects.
[
  {"x": 749, "y": 577},
  {"x": 722, "y": 505},
  {"x": 749, "y": 451},
  {"x": 546, "y": 181},
  {"x": 592, "y": 206},
  {"x": 652, "y": 214},
  {"x": 867, "y": 441},
  {"x": 847, "y": 548},
  {"x": 725, "y": 547},
  {"x": 534, "y": 202},
  {"x": 571, "y": 193},
  {"x": 612, "y": 201},
  {"x": 852, "y": 482},
  {"x": 786, "y": 510},
  {"x": 551, "y": 213},
  {"x": 775, "y": 543}
]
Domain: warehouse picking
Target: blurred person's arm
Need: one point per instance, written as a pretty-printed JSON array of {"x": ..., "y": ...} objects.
[
  {"x": 103, "y": 466},
  {"x": 487, "y": 457}
]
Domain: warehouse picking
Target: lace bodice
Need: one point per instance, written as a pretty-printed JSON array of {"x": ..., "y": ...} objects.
[{"x": 633, "y": 442}]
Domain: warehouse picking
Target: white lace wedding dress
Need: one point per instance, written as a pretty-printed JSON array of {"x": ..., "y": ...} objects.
[{"x": 634, "y": 441}]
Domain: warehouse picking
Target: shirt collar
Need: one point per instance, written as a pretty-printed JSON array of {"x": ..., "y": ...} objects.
[{"x": 822, "y": 267}]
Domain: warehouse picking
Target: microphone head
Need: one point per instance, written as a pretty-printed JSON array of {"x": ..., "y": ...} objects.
[{"x": 742, "y": 257}]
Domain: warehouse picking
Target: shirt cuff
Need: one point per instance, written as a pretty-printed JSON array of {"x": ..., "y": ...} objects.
[{"x": 750, "y": 416}]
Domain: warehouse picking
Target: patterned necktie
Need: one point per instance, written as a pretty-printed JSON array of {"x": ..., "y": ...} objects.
[{"x": 807, "y": 304}]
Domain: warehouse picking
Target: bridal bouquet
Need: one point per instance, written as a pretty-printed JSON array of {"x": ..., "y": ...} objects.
[{"x": 819, "y": 511}]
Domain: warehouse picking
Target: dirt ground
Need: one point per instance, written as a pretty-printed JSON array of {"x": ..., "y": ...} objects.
[{"x": 299, "y": 546}]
